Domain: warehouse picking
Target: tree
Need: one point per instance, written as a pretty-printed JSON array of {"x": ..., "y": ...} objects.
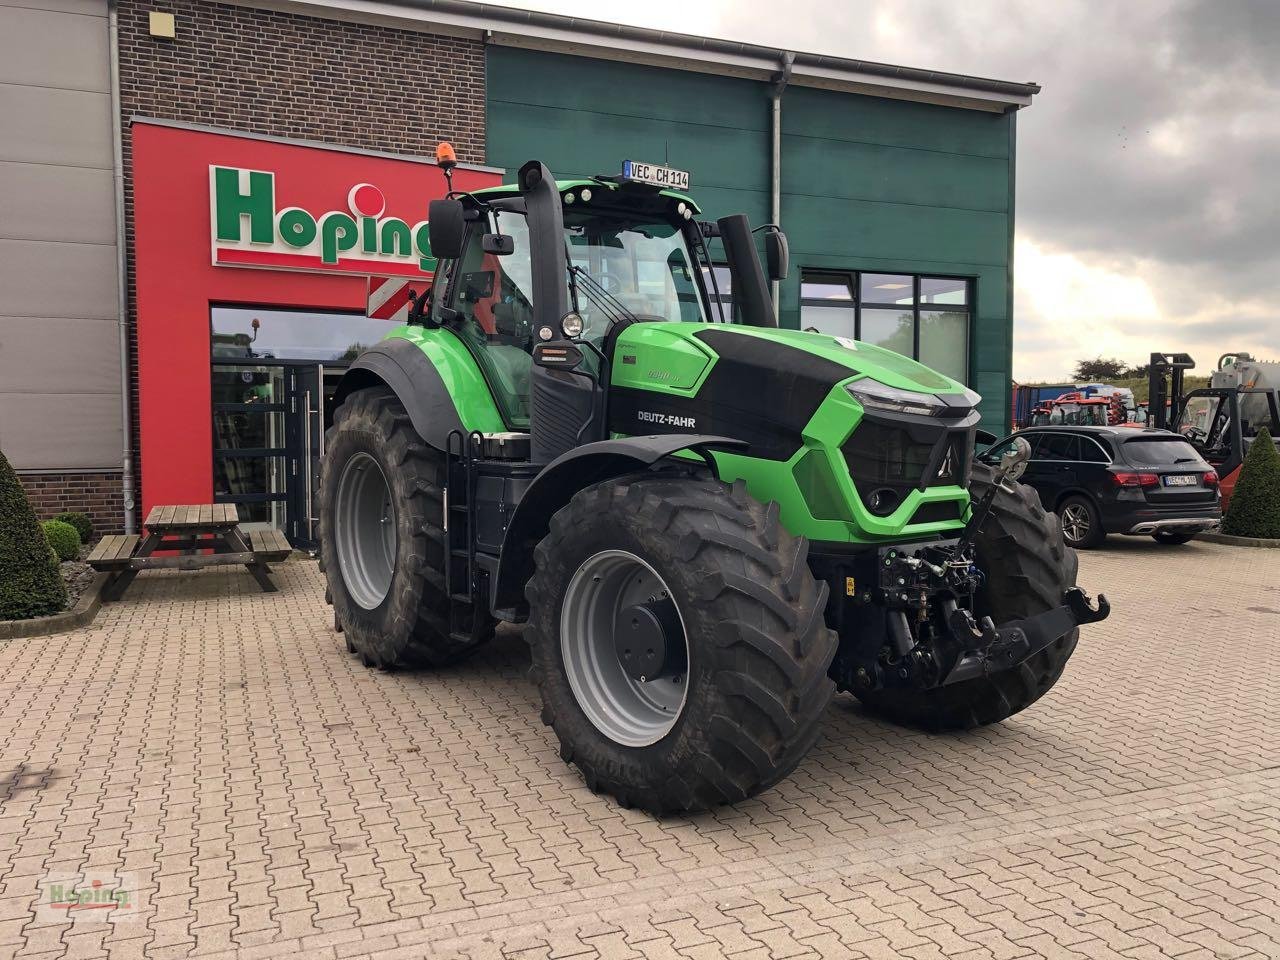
[
  {"x": 1255, "y": 504},
  {"x": 30, "y": 581},
  {"x": 1100, "y": 368}
]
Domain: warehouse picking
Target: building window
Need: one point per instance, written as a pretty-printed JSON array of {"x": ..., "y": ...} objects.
[
  {"x": 925, "y": 318},
  {"x": 245, "y": 333}
]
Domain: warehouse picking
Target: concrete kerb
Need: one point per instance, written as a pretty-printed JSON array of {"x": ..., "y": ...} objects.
[
  {"x": 82, "y": 613},
  {"x": 1215, "y": 537}
]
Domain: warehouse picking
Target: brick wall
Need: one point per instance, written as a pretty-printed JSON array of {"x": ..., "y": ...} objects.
[
  {"x": 262, "y": 71},
  {"x": 97, "y": 494}
]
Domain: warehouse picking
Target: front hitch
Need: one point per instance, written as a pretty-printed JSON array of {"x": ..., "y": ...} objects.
[{"x": 990, "y": 649}]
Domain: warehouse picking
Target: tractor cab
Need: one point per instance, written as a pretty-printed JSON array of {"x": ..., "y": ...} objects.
[
  {"x": 539, "y": 277},
  {"x": 1077, "y": 410}
]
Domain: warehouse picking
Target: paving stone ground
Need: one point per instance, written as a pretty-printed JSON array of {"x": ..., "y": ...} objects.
[{"x": 270, "y": 797}]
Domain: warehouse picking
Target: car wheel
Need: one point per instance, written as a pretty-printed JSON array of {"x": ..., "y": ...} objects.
[{"x": 1081, "y": 524}]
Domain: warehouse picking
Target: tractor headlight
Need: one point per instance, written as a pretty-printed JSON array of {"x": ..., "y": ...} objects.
[
  {"x": 571, "y": 325},
  {"x": 880, "y": 396}
]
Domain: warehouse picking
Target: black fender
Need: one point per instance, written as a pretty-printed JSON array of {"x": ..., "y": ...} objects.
[
  {"x": 413, "y": 378},
  {"x": 556, "y": 485}
]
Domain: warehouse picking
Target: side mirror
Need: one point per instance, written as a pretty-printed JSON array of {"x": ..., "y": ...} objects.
[
  {"x": 499, "y": 244},
  {"x": 445, "y": 229},
  {"x": 777, "y": 254}
]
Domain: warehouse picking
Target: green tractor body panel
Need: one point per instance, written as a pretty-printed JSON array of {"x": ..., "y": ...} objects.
[
  {"x": 670, "y": 365},
  {"x": 665, "y": 358},
  {"x": 461, "y": 375}
]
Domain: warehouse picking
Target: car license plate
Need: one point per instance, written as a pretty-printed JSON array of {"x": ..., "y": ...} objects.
[{"x": 1180, "y": 480}]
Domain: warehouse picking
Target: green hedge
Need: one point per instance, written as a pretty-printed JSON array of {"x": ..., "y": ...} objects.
[
  {"x": 30, "y": 583},
  {"x": 1255, "y": 503},
  {"x": 82, "y": 523},
  {"x": 63, "y": 538}
]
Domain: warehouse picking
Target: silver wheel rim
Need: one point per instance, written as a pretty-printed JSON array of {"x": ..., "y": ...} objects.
[
  {"x": 1075, "y": 522},
  {"x": 365, "y": 531},
  {"x": 626, "y": 711}
]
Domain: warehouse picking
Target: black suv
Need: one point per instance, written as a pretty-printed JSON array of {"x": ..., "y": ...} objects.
[{"x": 1104, "y": 480}]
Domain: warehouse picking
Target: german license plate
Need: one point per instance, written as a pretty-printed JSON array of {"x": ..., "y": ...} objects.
[
  {"x": 1180, "y": 480},
  {"x": 658, "y": 176}
]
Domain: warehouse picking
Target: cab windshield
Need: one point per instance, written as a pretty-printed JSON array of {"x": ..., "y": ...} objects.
[{"x": 621, "y": 267}]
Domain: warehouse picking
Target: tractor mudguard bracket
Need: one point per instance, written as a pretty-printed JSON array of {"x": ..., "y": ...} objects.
[{"x": 992, "y": 649}]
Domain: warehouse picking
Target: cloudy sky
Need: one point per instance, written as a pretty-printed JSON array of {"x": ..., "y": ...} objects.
[{"x": 1148, "y": 169}]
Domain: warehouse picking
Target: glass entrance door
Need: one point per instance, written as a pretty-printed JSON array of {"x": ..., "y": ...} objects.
[
  {"x": 268, "y": 438},
  {"x": 274, "y": 372},
  {"x": 250, "y": 446}
]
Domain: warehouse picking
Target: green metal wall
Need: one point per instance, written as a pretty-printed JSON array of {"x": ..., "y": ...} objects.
[{"x": 868, "y": 183}]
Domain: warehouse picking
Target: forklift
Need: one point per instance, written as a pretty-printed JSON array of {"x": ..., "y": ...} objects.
[{"x": 1221, "y": 420}]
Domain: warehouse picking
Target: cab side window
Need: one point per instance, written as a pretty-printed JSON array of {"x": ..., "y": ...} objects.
[{"x": 493, "y": 297}]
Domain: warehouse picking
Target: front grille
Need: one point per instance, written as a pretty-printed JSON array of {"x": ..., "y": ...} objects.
[
  {"x": 886, "y": 464},
  {"x": 888, "y": 461}
]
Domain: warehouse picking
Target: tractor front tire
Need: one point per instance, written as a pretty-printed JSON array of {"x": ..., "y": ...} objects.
[
  {"x": 1028, "y": 567},
  {"x": 756, "y": 650},
  {"x": 382, "y": 540}
]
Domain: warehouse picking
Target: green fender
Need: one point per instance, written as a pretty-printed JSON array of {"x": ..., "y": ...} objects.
[{"x": 433, "y": 374}]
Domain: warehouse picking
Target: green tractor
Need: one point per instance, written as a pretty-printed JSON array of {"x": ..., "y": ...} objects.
[{"x": 707, "y": 526}]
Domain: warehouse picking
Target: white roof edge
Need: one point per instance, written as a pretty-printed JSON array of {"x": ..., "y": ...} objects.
[{"x": 516, "y": 28}]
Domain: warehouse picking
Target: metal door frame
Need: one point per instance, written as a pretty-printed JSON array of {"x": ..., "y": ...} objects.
[{"x": 304, "y": 432}]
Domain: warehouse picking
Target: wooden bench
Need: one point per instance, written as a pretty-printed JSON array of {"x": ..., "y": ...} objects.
[
  {"x": 269, "y": 545},
  {"x": 203, "y": 535},
  {"x": 113, "y": 551}
]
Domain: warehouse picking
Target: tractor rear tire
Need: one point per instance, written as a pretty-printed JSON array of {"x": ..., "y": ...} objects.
[
  {"x": 1028, "y": 566},
  {"x": 751, "y": 614},
  {"x": 395, "y": 611}
]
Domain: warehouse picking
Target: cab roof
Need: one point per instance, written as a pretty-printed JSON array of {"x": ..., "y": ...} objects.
[{"x": 593, "y": 183}]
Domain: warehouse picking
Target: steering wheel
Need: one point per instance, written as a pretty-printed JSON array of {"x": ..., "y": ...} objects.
[{"x": 1196, "y": 435}]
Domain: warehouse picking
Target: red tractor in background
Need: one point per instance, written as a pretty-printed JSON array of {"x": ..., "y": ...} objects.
[
  {"x": 1077, "y": 410},
  {"x": 1221, "y": 420}
]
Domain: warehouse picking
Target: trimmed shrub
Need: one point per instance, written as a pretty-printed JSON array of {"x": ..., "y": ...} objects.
[
  {"x": 63, "y": 538},
  {"x": 30, "y": 582},
  {"x": 82, "y": 523},
  {"x": 1255, "y": 504}
]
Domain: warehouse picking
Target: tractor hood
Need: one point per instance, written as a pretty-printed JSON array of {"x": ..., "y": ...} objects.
[
  {"x": 854, "y": 441},
  {"x": 765, "y": 385},
  {"x": 865, "y": 359}
]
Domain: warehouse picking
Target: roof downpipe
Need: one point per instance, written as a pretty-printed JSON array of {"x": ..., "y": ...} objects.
[
  {"x": 775, "y": 198},
  {"x": 122, "y": 276}
]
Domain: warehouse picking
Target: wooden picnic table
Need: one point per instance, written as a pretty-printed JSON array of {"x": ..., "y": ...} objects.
[{"x": 192, "y": 530}]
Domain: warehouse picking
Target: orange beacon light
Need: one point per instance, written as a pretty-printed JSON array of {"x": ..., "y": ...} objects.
[{"x": 446, "y": 160}]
